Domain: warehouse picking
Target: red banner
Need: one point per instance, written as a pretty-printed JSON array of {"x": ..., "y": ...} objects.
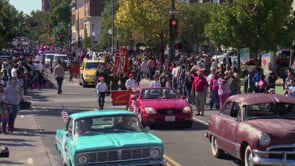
[
  {"x": 120, "y": 97},
  {"x": 117, "y": 66},
  {"x": 126, "y": 61},
  {"x": 74, "y": 69}
]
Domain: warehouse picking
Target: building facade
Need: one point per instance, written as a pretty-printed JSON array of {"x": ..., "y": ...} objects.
[
  {"x": 46, "y": 5},
  {"x": 86, "y": 20}
]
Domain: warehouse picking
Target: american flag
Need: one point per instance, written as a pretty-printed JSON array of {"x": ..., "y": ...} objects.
[{"x": 64, "y": 113}]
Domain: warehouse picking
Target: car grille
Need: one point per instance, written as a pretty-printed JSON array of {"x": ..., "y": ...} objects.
[
  {"x": 169, "y": 111},
  {"x": 282, "y": 151},
  {"x": 118, "y": 155}
]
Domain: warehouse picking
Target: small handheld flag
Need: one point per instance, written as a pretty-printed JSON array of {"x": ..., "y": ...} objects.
[{"x": 64, "y": 113}]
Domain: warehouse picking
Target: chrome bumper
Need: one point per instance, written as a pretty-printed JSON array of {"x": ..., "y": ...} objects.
[{"x": 266, "y": 158}]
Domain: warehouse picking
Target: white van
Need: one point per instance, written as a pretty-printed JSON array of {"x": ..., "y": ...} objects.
[{"x": 61, "y": 57}]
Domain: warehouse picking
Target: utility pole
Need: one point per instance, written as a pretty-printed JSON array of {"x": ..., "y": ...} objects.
[
  {"x": 113, "y": 26},
  {"x": 173, "y": 23}
]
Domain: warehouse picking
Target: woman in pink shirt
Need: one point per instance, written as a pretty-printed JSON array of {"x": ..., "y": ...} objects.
[
  {"x": 223, "y": 88},
  {"x": 213, "y": 87}
]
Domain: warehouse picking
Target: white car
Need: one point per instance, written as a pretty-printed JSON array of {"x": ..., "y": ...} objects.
[
  {"x": 62, "y": 58},
  {"x": 232, "y": 54}
]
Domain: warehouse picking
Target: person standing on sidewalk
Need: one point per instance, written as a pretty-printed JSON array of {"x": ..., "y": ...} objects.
[
  {"x": 59, "y": 76},
  {"x": 200, "y": 86},
  {"x": 223, "y": 87},
  {"x": 14, "y": 97},
  {"x": 101, "y": 89}
]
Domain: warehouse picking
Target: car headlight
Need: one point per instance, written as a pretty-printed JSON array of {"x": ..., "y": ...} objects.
[
  {"x": 82, "y": 159},
  {"x": 155, "y": 153},
  {"x": 264, "y": 140},
  {"x": 187, "y": 109},
  {"x": 150, "y": 110}
]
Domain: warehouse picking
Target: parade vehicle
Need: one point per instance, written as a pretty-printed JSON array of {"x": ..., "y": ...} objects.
[
  {"x": 156, "y": 106},
  {"x": 108, "y": 137},
  {"x": 87, "y": 72},
  {"x": 258, "y": 129}
]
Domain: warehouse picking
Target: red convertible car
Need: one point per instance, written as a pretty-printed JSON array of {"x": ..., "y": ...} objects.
[
  {"x": 256, "y": 128},
  {"x": 161, "y": 106}
]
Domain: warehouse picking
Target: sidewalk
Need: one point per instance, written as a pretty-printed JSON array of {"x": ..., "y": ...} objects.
[{"x": 25, "y": 144}]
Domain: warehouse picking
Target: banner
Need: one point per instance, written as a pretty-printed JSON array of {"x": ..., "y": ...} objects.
[
  {"x": 126, "y": 61},
  {"x": 117, "y": 66},
  {"x": 120, "y": 97}
]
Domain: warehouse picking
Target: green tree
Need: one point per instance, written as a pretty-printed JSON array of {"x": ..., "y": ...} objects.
[
  {"x": 261, "y": 25},
  {"x": 147, "y": 21},
  {"x": 105, "y": 41},
  {"x": 9, "y": 17},
  {"x": 192, "y": 19},
  {"x": 60, "y": 19}
]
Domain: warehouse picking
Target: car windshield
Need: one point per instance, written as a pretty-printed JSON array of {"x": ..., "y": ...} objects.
[
  {"x": 65, "y": 58},
  {"x": 270, "y": 110},
  {"x": 49, "y": 56},
  {"x": 93, "y": 65},
  {"x": 159, "y": 94},
  {"x": 106, "y": 124}
]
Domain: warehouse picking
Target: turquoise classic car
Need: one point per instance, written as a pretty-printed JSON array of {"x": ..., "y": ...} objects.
[{"x": 112, "y": 138}]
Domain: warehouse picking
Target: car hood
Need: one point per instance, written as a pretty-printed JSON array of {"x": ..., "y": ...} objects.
[
  {"x": 117, "y": 140},
  {"x": 281, "y": 130},
  {"x": 89, "y": 71},
  {"x": 165, "y": 103}
]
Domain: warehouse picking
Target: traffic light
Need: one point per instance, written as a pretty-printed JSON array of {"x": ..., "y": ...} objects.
[
  {"x": 32, "y": 24},
  {"x": 61, "y": 36},
  {"x": 178, "y": 46},
  {"x": 173, "y": 27}
]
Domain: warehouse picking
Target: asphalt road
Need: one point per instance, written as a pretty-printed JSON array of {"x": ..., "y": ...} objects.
[{"x": 33, "y": 142}]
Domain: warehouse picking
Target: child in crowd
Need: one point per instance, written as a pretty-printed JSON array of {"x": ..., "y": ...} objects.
[{"x": 4, "y": 116}]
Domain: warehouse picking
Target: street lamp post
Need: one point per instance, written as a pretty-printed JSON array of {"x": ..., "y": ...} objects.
[
  {"x": 93, "y": 34},
  {"x": 110, "y": 32},
  {"x": 113, "y": 26},
  {"x": 172, "y": 37}
]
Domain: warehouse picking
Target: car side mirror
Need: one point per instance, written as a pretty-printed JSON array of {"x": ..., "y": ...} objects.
[
  {"x": 4, "y": 152},
  {"x": 69, "y": 134}
]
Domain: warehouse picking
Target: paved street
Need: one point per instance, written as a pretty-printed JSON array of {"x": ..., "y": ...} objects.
[{"x": 33, "y": 142}]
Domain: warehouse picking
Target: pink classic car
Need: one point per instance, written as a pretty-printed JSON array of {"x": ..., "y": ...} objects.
[
  {"x": 258, "y": 129},
  {"x": 161, "y": 106}
]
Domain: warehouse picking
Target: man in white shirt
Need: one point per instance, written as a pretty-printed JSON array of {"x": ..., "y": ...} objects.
[
  {"x": 155, "y": 83},
  {"x": 144, "y": 67},
  {"x": 130, "y": 82},
  {"x": 101, "y": 89}
]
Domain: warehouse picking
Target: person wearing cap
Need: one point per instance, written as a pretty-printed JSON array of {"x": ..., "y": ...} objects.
[
  {"x": 200, "y": 85},
  {"x": 130, "y": 82},
  {"x": 101, "y": 88},
  {"x": 156, "y": 82}
]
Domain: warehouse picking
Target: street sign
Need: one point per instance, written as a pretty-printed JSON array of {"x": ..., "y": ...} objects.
[
  {"x": 245, "y": 55},
  {"x": 173, "y": 12}
]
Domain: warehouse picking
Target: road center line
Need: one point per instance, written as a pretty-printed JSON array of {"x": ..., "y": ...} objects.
[
  {"x": 200, "y": 121},
  {"x": 30, "y": 161},
  {"x": 170, "y": 160}
]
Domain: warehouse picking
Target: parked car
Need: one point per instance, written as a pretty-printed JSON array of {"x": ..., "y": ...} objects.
[
  {"x": 161, "y": 106},
  {"x": 256, "y": 128},
  {"x": 112, "y": 137},
  {"x": 283, "y": 58},
  {"x": 232, "y": 54}
]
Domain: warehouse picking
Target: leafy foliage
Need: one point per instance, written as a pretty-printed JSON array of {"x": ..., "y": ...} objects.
[{"x": 261, "y": 25}]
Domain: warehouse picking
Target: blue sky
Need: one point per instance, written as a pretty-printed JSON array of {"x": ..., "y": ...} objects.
[{"x": 26, "y": 5}]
